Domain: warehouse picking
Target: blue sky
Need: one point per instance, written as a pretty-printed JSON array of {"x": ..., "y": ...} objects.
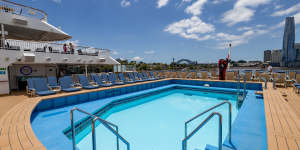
[{"x": 158, "y": 30}]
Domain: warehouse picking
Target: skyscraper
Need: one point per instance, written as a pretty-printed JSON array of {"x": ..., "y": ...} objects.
[
  {"x": 267, "y": 55},
  {"x": 288, "y": 48}
]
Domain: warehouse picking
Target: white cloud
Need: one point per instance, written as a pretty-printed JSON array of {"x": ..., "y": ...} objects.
[
  {"x": 242, "y": 11},
  {"x": 244, "y": 28},
  {"x": 149, "y": 52},
  {"x": 125, "y": 3},
  {"x": 115, "y": 52},
  {"x": 237, "y": 40},
  {"x": 278, "y": 6},
  {"x": 218, "y": 1},
  {"x": 131, "y": 51},
  {"x": 162, "y": 3},
  {"x": 290, "y": 10},
  {"x": 57, "y": 1},
  {"x": 196, "y": 7},
  {"x": 260, "y": 25},
  {"x": 137, "y": 58},
  {"x": 191, "y": 28}
]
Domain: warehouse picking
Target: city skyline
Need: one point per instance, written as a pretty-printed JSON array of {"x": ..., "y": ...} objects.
[{"x": 157, "y": 31}]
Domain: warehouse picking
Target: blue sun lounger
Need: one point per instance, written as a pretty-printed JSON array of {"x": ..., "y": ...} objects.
[
  {"x": 113, "y": 79},
  {"x": 30, "y": 87},
  {"x": 41, "y": 87},
  {"x": 67, "y": 84},
  {"x": 140, "y": 75},
  {"x": 146, "y": 76},
  {"x": 52, "y": 82},
  {"x": 133, "y": 78},
  {"x": 99, "y": 81},
  {"x": 152, "y": 76},
  {"x": 85, "y": 82},
  {"x": 122, "y": 78}
]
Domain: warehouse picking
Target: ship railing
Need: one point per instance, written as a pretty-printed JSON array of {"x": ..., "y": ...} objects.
[
  {"x": 52, "y": 47},
  {"x": 19, "y": 9}
]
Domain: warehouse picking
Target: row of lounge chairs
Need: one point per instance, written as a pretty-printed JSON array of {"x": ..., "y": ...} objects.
[{"x": 49, "y": 85}]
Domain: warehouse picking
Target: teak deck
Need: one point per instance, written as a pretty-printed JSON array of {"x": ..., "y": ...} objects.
[
  {"x": 283, "y": 123},
  {"x": 282, "y": 120}
]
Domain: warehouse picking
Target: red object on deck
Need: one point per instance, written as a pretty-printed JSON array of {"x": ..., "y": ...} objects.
[{"x": 223, "y": 64}]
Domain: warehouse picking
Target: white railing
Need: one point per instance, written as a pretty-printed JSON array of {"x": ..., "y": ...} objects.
[
  {"x": 19, "y": 9},
  {"x": 51, "y": 47}
]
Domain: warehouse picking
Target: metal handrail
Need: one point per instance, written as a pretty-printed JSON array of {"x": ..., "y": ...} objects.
[
  {"x": 184, "y": 141},
  {"x": 238, "y": 87},
  {"x": 30, "y": 8},
  {"x": 245, "y": 83},
  {"x": 218, "y": 105},
  {"x": 104, "y": 122}
]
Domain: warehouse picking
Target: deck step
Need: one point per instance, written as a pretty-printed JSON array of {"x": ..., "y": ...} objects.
[{"x": 210, "y": 147}]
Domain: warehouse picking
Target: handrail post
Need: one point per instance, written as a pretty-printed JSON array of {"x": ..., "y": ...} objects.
[
  {"x": 245, "y": 83},
  {"x": 184, "y": 141},
  {"x": 105, "y": 123},
  {"x": 93, "y": 135},
  {"x": 218, "y": 105},
  {"x": 238, "y": 88},
  {"x": 73, "y": 129}
]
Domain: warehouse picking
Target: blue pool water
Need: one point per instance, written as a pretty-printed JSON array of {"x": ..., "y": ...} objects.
[{"x": 156, "y": 122}]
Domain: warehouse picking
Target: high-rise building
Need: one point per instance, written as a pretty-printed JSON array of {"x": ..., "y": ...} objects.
[
  {"x": 276, "y": 57},
  {"x": 297, "y": 48},
  {"x": 267, "y": 55},
  {"x": 288, "y": 48}
]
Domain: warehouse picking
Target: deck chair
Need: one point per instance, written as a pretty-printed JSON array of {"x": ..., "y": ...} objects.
[
  {"x": 123, "y": 79},
  {"x": 145, "y": 75},
  {"x": 99, "y": 81},
  {"x": 30, "y": 90},
  {"x": 85, "y": 82},
  {"x": 152, "y": 76},
  {"x": 52, "y": 83},
  {"x": 41, "y": 87},
  {"x": 213, "y": 75},
  {"x": 133, "y": 78},
  {"x": 296, "y": 85},
  {"x": 137, "y": 76},
  {"x": 140, "y": 75},
  {"x": 280, "y": 79},
  {"x": 229, "y": 75},
  {"x": 113, "y": 79},
  {"x": 204, "y": 75},
  {"x": 105, "y": 79},
  {"x": 67, "y": 84}
]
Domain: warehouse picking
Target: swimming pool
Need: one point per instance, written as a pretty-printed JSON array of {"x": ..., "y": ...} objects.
[
  {"x": 50, "y": 119},
  {"x": 156, "y": 122}
]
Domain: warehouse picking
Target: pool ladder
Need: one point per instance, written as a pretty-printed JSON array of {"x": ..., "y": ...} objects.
[
  {"x": 207, "y": 119},
  {"x": 106, "y": 124},
  {"x": 239, "y": 87}
]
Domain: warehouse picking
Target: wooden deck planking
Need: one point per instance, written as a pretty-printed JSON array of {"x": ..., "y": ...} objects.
[
  {"x": 283, "y": 124},
  {"x": 282, "y": 121}
]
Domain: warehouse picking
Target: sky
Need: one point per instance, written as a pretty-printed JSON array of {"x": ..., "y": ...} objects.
[{"x": 160, "y": 30}]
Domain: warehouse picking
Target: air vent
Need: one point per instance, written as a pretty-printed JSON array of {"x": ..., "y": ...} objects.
[
  {"x": 29, "y": 57},
  {"x": 101, "y": 59},
  {"x": 20, "y": 21}
]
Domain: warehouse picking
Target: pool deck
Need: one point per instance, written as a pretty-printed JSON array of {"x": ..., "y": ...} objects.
[{"x": 282, "y": 119}]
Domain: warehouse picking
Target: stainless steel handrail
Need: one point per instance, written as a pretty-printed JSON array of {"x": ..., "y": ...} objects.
[
  {"x": 184, "y": 141},
  {"x": 109, "y": 128},
  {"x": 245, "y": 85},
  {"x": 218, "y": 105},
  {"x": 104, "y": 122},
  {"x": 31, "y": 8},
  {"x": 238, "y": 87}
]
